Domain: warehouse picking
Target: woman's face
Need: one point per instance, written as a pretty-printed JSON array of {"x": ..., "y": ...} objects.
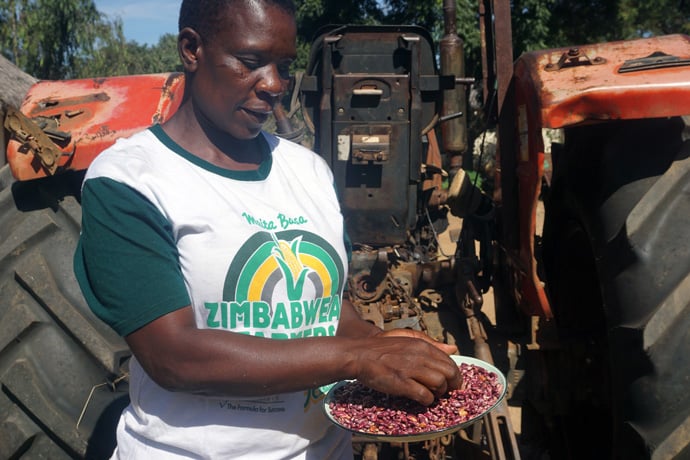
[{"x": 243, "y": 70}]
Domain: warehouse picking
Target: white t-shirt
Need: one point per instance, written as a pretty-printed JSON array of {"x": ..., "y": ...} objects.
[{"x": 254, "y": 252}]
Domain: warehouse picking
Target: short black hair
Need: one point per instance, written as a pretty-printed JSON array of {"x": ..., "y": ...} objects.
[{"x": 204, "y": 15}]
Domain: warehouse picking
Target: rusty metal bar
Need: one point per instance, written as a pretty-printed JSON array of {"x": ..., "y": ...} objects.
[
  {"x": 503, "y": 37},
  {"x": 486, "y": 37},
  {"x": 497, "y": 424},
  {"x": 497, "y": 50}
]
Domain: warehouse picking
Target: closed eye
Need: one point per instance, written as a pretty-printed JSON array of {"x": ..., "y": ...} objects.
[
  {"x": 251, "y": 64},
  {"x": 255, "y": 63}
]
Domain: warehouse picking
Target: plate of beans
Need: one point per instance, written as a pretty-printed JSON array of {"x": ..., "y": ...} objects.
[{"x": 373, "y": 414}]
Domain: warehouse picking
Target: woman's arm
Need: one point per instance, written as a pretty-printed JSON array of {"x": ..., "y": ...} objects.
[
  {"x": 180, "y": 357},
  {"x": 352, "y": 325}
]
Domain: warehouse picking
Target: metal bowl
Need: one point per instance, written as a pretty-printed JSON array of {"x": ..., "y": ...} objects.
[{"x": 426, "y": 435}]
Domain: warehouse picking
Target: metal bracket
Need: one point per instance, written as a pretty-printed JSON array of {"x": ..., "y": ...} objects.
[
  {"x": 573, "y": 58},
  {"x": 656, "y": 60},
  {"x": 33, "y": 139}
]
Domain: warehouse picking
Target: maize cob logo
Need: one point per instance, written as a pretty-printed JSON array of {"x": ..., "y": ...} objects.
[
  {"x": 284, "y": 266},
  {"x": 287, "y": 256}
]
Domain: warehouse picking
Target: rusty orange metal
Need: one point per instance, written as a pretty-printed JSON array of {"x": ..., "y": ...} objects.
[
  {"x": 607, "y": 81},
  {"x": 645, "y": 78},
  {"x": 89, "y": 115}
]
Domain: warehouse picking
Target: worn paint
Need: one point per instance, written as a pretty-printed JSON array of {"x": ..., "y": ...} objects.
[
  {"x": 590, "y": 92},
  {"x": 590, "y": 89},
  {"x": 95, "y": 112}
]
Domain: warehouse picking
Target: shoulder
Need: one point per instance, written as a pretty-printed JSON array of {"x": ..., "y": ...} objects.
[
  {"x": 296, "y": 155},
  {"x": 277, "y": 143},
  {"x": 127, "y": 157}
]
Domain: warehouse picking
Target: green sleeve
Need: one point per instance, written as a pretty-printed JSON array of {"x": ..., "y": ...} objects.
[{"x": 126, "y": 261}]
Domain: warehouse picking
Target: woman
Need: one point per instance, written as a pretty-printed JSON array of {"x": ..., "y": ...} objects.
[{"x": 217, "y": 251}]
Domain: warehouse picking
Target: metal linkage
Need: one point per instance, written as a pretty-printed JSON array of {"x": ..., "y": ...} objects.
[{"x": 496, "y": 425}]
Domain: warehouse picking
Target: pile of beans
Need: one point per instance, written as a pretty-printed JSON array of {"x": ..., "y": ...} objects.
[{"x": 362, "y": 409}]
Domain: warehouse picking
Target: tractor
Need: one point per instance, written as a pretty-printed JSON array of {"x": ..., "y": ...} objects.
[{"x": 575, "y": 233}]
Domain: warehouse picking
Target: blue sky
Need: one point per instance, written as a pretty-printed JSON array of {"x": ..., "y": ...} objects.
[{"x": 143, "y": 20}]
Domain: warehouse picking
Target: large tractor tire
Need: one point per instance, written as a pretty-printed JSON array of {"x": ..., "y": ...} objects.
[
  {"x": 62, "y": 371},
  {"x": 617, "y": 264}
]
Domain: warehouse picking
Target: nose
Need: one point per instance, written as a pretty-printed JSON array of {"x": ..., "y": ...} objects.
[{"x": 272, "y": 83}]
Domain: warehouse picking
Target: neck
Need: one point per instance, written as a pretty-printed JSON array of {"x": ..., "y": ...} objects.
[{"x": 204, "y": 140}]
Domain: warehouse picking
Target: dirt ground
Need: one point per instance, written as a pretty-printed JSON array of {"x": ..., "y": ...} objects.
[
  {"x": 488, "y": 308},
  {"x": 502, "y": 350}
]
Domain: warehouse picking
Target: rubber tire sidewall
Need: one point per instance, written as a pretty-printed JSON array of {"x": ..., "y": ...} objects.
[
  {"x": 625, "y": 185},
  {"x": 59, "y": 364}
]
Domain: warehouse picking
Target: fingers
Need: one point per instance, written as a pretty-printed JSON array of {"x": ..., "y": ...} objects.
[
  {"x": 444, "y": 376},
  {"x": 444, "y": 347},
  {"x": 421, "y": 394},
  {"x": 432, "y": 381},
  {"x": 454, "y": 379},
  {"x": 447, "y": 348},
  {"x": 399, "y": 363}
]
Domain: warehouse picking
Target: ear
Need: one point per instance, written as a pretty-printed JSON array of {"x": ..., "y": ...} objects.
[{"x": 189, "y": 48}]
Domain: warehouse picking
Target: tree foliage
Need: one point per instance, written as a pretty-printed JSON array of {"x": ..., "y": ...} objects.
[
  {"x": 62, "y": 39},
  {"x": 429, "y": 14},
  {"x": 531, "y": 25},
  {"x": 46, "y": 37},
  {"x": 653, "y": 17},
  {"x": 569, "y": 23},
  {"x": 116, "y": 56},
  {"x": 57, "y": 39}
]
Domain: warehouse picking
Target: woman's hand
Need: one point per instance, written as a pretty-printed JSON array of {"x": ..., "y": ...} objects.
[
  {"x": 402, "y": 362},
  {"x": 407, "y": 363},
  {"x": 444, "y": 347}
]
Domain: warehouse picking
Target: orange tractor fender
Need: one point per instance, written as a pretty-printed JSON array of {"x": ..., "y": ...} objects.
[
  {"x": 64, "y": 125},
  {"x": 564, "y": 87}
]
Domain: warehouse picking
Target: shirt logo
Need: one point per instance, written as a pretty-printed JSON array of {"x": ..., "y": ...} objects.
[{"x": 281, "y": 284}]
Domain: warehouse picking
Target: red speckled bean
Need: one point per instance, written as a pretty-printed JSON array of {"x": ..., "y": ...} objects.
[{"x": 368, "y": 411}]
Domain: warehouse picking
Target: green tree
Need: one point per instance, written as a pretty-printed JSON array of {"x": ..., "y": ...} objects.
[
  {"x": 63, "y": 39},
  {"x": 530, "y": 24},
  {"x": 57, "y": 39},
  {"x": 113, "y": 55},
  {"x": 314, "y": 14},
  {"x": 592, "y": 21},
  {"x": 427, "y": 14},
  {"x": 638, "y": 18},
  {"x": 164, "y": 55},
  {"x": 582, "y": 22},
  {"x": 45, "y": 37}
]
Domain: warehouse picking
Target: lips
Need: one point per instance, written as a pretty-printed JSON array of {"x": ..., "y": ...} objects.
[{"x": 260, "y": 115}]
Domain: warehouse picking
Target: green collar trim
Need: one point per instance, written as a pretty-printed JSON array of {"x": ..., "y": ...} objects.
[{"x": 258, "y": 174}]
